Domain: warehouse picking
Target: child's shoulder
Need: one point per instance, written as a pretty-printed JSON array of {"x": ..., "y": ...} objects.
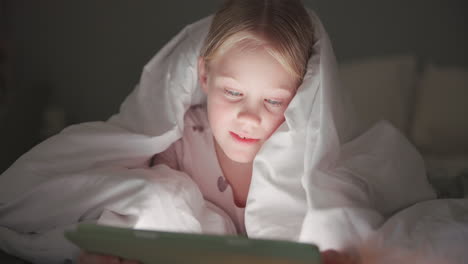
[{"x": 196, "y": 118}]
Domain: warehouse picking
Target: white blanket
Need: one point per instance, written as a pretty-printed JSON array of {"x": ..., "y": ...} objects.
[{"x": 320, "y": 178}]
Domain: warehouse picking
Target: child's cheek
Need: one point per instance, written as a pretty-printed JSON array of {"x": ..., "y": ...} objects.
[
  {"x": 220, "y": 109},
  {"x": 222, "y": 103}
]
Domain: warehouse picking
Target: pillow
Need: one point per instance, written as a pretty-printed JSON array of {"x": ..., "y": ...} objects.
[
  {"x": 381, "y": 88},
  {"x": 440, "y": 124}
]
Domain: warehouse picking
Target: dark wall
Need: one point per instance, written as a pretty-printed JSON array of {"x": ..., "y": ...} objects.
[
  {"x": 86, "y": 56},
  {"x": 434, "y": 30}
]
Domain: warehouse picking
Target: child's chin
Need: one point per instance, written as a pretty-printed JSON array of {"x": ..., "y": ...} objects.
[{"x": 241, "y": 157}]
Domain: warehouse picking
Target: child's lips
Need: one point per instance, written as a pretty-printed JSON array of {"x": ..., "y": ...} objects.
[{"x": 243, "y": 139}]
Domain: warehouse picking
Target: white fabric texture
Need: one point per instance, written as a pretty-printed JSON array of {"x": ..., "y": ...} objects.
[
  {"x": 98, "y": 171},
  {"x": 436, "y": 229},
  {"x": 315, "y": 180},
  {"x": 313, "y": 183}
]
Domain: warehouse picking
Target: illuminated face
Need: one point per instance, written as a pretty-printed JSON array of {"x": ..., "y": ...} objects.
[{"x": 248, "y": 92}]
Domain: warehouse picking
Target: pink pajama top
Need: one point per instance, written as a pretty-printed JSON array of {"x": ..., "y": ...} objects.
[{"x": 195, "y": 155}]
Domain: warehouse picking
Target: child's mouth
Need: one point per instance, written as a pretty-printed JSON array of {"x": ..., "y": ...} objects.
[{"x": 243, "y": 139}]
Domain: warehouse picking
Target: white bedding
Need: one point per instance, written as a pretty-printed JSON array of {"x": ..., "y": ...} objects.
[{"x": 320, "y": 178}]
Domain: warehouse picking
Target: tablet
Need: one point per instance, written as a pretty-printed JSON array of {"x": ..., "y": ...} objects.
[{"x": 156, "y": 247}]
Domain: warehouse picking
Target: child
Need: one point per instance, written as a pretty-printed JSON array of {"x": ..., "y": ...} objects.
[
  {"x": 252, "y": 62},
  {"x": 249, "y": 74}
]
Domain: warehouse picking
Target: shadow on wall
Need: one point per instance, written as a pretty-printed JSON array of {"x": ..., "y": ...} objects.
[
  {"x": 3, "y": 83},
  {"x": 21, "y": 122}
]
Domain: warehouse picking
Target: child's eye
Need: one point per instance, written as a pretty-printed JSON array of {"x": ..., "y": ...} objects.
[
  {"x": 232, "y": 93},
  {"x": 274, "y": 102}
]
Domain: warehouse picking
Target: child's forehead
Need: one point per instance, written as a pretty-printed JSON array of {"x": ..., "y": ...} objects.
[
  {"x": 252, "y": 58},
  {"x": 238, "y": 68},
  {"x": 247, "y": 41},
  {"x": 239, "y": 54}
]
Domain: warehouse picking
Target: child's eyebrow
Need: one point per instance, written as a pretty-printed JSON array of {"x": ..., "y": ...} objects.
[
  {"x": 227, "y": 80},
  {"x": 280, "y": 90}
]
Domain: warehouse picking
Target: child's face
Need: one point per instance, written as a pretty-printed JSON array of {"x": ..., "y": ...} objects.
[{"x": 248, "y": 92}]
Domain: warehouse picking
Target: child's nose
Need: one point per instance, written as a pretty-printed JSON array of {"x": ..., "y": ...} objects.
[{"x": 249, "y": 117}]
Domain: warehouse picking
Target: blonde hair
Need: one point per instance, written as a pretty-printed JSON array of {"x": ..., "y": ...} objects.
[{"x": 282, "y": 27}]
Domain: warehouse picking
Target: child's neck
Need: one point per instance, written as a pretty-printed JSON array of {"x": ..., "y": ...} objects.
[{"x": 238, "y": 175}]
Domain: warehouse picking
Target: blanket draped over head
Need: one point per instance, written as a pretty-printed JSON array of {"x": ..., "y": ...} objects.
[{"x": 320, "y": 178}]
